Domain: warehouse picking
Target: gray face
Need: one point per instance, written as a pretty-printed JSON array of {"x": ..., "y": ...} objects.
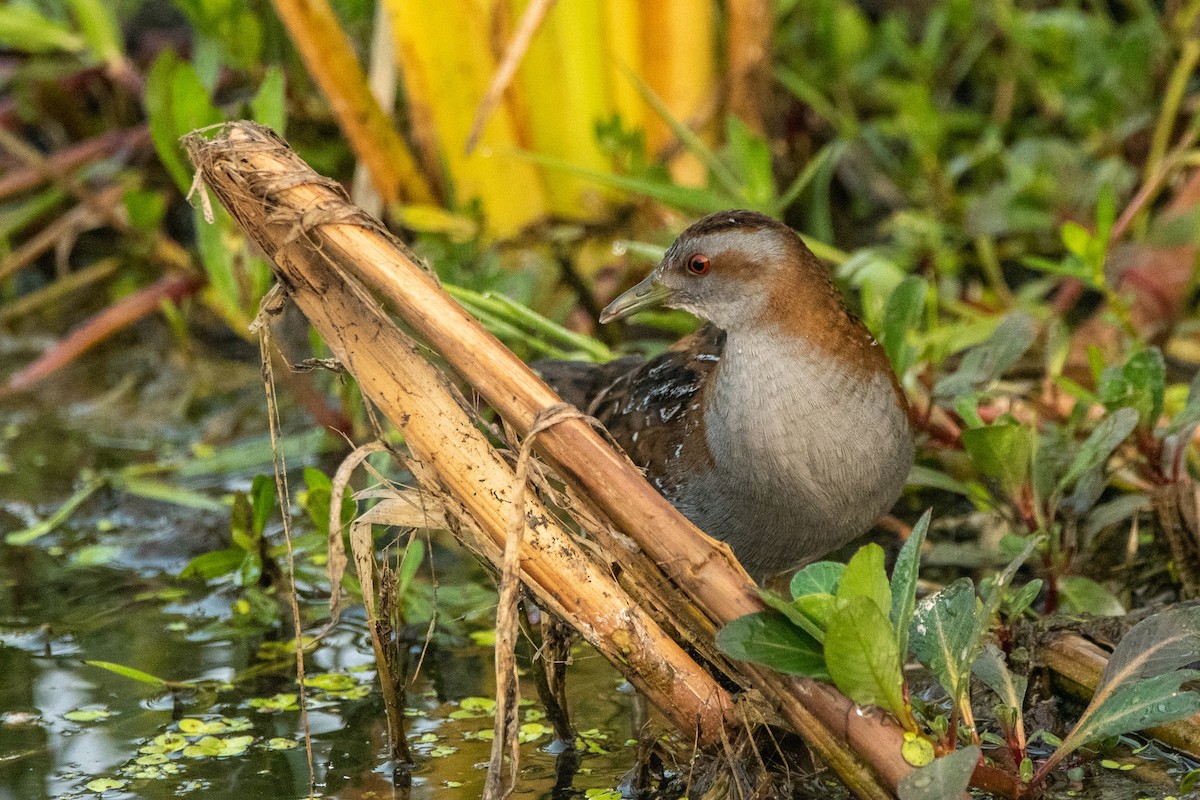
[
  {"x": 721, "y": 269},
  {"x": 724, "y": 275}
]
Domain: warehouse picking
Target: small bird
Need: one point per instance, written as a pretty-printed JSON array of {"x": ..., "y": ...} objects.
[{"x": 779, "y": 426}]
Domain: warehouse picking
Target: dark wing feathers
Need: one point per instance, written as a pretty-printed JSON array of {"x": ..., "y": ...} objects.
[
  {"x": 578, "y": 382},
  {"x": 654, "y": 409}
]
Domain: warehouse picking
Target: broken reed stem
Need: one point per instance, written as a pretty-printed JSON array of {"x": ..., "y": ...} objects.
[
  {"x": 279, "y": 200},
  {"x": 262, "y": 185}
]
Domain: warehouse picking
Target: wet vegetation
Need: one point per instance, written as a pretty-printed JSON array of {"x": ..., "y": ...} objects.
[{"x": 1006, "y": 193}]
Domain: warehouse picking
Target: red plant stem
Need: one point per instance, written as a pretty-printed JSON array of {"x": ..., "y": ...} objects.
[
  {"x": 996, "y": 781},
  {"x": 92, "y": 332}
]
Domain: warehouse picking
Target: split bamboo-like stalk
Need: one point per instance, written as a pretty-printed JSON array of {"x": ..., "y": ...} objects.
[
  {"x": 418, "y": 399},
  {"x": 279, "y": 200},
  {"x": 1081, "y": 662},
  {"x": 329, "y": 57}
]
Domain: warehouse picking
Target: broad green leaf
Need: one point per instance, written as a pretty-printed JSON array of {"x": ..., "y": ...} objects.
[
  {"x": 942, "y": 634},
  {"x": 214, "y": 564},
  {"x": 129, "y": 672},
  {"x": 1023, "y": 598},
  {"x": 945, "y": 779},
  {"x": 100, "y": 28},
  {"x": 270, "y": 102},
  {"x": 904, "y": 583},
  {"x": 861, "y": 656},
  {"x": 1076, "y": 238},
  {"x": 750, "y": 158},
  {"x": 821, "y": 577},
  {"x": 768, "y": 639},
  {"x": 817, "y": 607},
  {"x": 177, "y": 103},
  {"x": 1096, "y": 449},
  {"x": 921, "y": 475},
  {"x": 900, "y": 316},
  {"x": 250, "y": 569},
  {"x": 991, "y": 668},
  {"x": 25, "y": 30},
  {"x": 1082, "y": 595},
  {"x": 1117, "y": 510},
  {"x": 262, "y": 501},
  {"x": 866, "y": 577},
  {"x": 410, "y": 562},
  {"x": 1139, "y": 384},
  {"x": 1140, "y": 684},
  {"x": 985, "y": 363},
  {"x": 1166, "y": 641},
  {"x": 1001, "y": 452},
  {"x": 1137, "y": 706},
  {"x": 799, "y": 617}
]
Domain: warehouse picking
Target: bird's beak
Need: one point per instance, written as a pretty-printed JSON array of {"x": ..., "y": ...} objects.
[{"x": 647, "y": 294}]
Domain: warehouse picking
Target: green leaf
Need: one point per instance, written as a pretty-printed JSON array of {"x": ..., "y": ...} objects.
[
  {"x": 1144, "y": 704},
  {"x": 821, "y": 577},
  {"x": 214, "y": 564},
  {"x": 809, "y": 618},
  {"x": 1076, "y": 238},
  {"x": 750, "y": 158},
  {"x": 904, "y": 582},
  {"x": 945, "y": 779},
  {"x": 1082, "y": 595},
  {"x": 250, "y": 569},
  {"x": 169, "y": 493},
  {"x": 410, "y": 562},
  {"x": 129, "y": 672},
  {"x": 904, "y": 308},
  {"x": 991, "y": 668},
  {"x": 866, "y": 577},
  {"x": 921, "y": 475},
  {"x": 1166, "y": 641},
  {"x": 1001, "y": 452},
  {"x": 262, "y": 501},
  {"x": 1140, "y": 384},
  {"x": 769, "y": 639},
  {"x": 270, "y": 102},
  {"x": 986, "y": 362},
  {"x": 1095, "y": 450},
  {"x": 861, "y": 656},
  {"x": 25, "y": 30},
  {"x": 942, "y": 634},
  {"x": 177, "y": 103},
  {"x": 100, "y": 28},
  {"x": 1023, "y": 598}
]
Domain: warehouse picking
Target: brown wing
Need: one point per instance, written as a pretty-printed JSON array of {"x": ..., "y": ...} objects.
[{"x": 656, "y": 412}]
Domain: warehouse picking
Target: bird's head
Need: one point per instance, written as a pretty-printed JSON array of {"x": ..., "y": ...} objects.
[{"x": 727, "y": 269}]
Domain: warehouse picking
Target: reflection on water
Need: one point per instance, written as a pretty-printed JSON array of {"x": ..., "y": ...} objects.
[{"x": 103, "y": 588}]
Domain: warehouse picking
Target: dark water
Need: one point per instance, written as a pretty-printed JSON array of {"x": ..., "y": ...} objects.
[{"x": 104, "y": 587}]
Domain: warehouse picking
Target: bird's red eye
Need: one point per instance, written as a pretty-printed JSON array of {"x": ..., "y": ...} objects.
[{"x": 698, "y": 265}]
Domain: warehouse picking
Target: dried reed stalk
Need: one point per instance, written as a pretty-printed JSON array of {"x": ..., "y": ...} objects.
[{"x": 303, "y": 222}]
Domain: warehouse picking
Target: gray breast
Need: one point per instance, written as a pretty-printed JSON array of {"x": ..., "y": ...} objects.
[{"x": 807, "y": 455}]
